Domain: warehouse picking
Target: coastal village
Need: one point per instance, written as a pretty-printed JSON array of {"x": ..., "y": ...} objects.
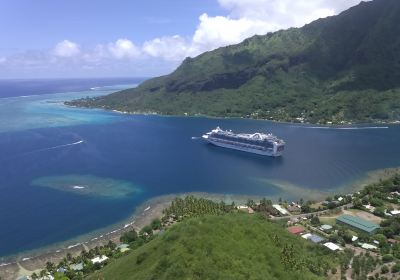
[{"x": 363, "y": 228}]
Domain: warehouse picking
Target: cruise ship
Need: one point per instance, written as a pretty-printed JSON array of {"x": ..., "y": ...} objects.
[{"x": 257, "y": 143}]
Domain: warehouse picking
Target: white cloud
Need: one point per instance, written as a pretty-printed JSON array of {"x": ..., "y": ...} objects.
[
  {"x": 66, "y": 49},
  {"x": 169, "y": 48},
  {"x": 243, "y": 18},
  {"x": 124, "y": 48},
  {"x": 97, "y": 55},
  {"x": 214, "y": 32},
  {"x": 285, "y": 13},
  {"x": 251, "y": 17}
]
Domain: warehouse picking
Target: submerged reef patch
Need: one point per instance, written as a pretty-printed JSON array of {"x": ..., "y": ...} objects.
[{"x": 88, "y": 185}]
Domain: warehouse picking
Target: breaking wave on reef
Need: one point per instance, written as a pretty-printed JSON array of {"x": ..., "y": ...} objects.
[{"x": 344, "y": 128}]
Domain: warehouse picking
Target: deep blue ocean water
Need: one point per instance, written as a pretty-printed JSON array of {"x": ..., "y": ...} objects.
[{"x": 158, "y": 155}]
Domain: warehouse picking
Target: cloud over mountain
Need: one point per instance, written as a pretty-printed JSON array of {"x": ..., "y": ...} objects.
[{"x": 243, "y": 18}]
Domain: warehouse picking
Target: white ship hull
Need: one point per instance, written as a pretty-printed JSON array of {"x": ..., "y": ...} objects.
[{"x": 236, "y": 146}]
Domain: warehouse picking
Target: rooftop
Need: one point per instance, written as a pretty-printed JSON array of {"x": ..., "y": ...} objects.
[
  {"x": 296, "y": 229},
  {"x": 123, "y": 245},
  {"x": 99, "y": 259},
  {"x": 332, "y": 246},
  {"x": 282, "y": 210},
  {"x": 358, "y": 223},
  {"x": 316, "y": 238},
  {"x": 395, "y": 212},
  {"x": 326, "y": 227},
  {"x": 77, "y": 267},
  {"x": 368, "y": 246},
  {"x": 306, "y": 236}
]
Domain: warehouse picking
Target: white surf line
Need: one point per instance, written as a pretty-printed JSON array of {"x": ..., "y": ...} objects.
[
  {"x": 20, "y": 96},
  {"x": 129, "y": 224},
  {"x": 73, "y": 246},
  {"x": 343, "y": 128}
]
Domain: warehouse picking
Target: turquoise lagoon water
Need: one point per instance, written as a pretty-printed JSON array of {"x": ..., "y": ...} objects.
[{"x": 58, "y": 164}]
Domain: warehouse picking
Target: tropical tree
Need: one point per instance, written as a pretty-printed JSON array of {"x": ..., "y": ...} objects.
[{"x": 50, "y": 267}]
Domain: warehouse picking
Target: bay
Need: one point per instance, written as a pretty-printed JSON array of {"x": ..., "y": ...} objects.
[{"x": 41, "y": 140}]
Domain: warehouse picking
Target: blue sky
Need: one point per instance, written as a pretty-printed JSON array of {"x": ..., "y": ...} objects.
[{"x": 88, "y": 38}]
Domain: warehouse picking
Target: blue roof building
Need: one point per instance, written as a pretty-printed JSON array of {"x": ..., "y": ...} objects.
[{"x": 316, "y": 239}]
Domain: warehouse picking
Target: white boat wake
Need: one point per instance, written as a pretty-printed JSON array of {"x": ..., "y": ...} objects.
[
  {"x": 44, "y": 149},
  {"x": 58, "y": 147},
  {"x": 62, "y": 146}
]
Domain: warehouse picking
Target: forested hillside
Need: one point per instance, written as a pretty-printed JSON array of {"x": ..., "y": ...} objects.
[
  {"x": 344, "y": 68},
  {"x": 230, "y": 246}
]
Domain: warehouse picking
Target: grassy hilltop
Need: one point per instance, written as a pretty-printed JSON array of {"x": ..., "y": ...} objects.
[
  {"x": 230, "y": 246},
  {"x": 344, "y": 68}
]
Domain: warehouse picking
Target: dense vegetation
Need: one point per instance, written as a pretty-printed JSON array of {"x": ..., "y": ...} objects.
[
  {"x": 229, "y": 246},
  {"x": 198, "y": 238},
  {"x": 339, "y": 69},
  {"x": 191, "y": 206}
]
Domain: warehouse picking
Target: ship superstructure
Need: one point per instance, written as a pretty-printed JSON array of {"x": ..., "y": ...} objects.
[{"x": 257, "y": 143}]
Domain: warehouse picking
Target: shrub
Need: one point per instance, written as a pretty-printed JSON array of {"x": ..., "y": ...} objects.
[
  {"x": 156, "y": 224},
  {"x": 396, "y": 268},
  {"x": 141, "y": 257},
  {"x": 128, "y": 237},
  {"x": 387, "y": 258},
  {"x": 385, "y": 269}
]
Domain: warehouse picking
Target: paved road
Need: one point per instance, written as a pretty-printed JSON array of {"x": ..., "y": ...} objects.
[{"x": 349, "y": 205}]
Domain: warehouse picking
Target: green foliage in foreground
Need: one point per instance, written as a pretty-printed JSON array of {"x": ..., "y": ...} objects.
[
  {"x": 339, "y": 69},
  {"x": 230, "y": 246},
  {"x": 191, "y": 206}
]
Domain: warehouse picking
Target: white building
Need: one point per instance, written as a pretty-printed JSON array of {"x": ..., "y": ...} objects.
[
  {"x": 99, "y": 259},
  {"x": 368, "y": 246},
  {"x": 281, "y": 210},
  {"x": 395, "y": 212},
  {"x": 306, "y": 236},
  {"x": 332, "y": 246}
]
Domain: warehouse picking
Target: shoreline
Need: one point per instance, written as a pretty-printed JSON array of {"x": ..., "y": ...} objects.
[
  {"x": 185, "y": 115},
  {"x": 134, "y": 221},
  {"x": 27, "y": 262}
]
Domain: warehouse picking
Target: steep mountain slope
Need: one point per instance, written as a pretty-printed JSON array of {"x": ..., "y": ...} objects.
[
  {"x": 233, "y": 246},
  {"x": 338, "y": 69}
]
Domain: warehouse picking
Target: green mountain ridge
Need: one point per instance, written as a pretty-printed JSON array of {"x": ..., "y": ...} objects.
[
  {"x": 232, "y": 246},
  {"x": 340, "y": 69}
]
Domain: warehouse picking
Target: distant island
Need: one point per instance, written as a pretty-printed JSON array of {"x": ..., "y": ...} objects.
[{"x": 338, "y": 70}]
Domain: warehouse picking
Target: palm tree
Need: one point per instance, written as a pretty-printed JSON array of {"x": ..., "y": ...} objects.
[
  {"x": 50, "y": 267},
  {"x": 69, "y": 257},
  {"x": 43, "y": 273}
]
